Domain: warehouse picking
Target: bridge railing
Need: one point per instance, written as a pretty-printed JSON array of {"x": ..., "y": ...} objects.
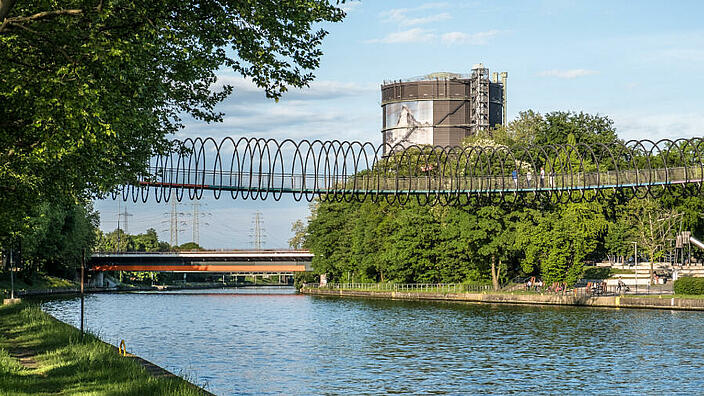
[
  {"x": 371, "y": 182},
  {"x": 404, "y": 287},
  {"x": 587, "y": 289}
]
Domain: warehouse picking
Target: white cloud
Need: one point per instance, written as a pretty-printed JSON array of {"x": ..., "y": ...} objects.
[
  {"x": 350, "y": 6},
  {"x": 655, "y": 126},
  {"x": 401, "y": 16},
  {"x": 394, "y": 14},
  {"x": 245, "y": 88},
  {"x": 420, "y": 35},
  {"x": 389, "y": 15},
  {"x": 480, "y": 38},
  {"x": 325, "y": 110},
  {"x": 415, "y": 35},
  {"x": 567, "y": 74},
  {"x": 291, "y": 120},
  {"x": 424, "y": 20}
]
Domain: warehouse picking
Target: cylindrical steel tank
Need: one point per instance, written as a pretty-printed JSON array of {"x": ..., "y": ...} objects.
[{"x": 439, "y": 109}]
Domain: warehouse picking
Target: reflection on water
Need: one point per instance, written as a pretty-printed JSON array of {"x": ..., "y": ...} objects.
[{"x": 274, "y": 341}]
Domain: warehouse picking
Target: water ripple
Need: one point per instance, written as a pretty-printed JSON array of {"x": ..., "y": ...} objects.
[{"x": 273, "y": 341}]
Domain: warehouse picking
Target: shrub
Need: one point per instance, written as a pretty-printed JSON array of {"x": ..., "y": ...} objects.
[
  {"x": 689, "y": 285},
  {"x": 596, "y": 272},
  {"x": 299, "y": 278}
]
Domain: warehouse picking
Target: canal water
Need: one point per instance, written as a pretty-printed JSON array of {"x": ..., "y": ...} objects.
[{"x": 274, "y": 341}]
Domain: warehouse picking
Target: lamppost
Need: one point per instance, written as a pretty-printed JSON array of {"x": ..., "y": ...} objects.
[
  {"x": 12, "y": 276},
  {"x": 635, "y": 258},
  {"x": 83, "y": 269}
]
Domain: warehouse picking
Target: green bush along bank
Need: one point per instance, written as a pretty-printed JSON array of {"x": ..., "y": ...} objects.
[{"x": 689, "y": 286}]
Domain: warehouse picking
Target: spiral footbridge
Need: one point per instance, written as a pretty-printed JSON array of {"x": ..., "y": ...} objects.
[{"x": 263, "y": 169}]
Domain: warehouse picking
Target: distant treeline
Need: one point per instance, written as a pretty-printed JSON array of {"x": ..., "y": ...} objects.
[{"x": 119, "y": 241}]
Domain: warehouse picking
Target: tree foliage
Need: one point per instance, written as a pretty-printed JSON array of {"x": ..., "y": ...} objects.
[
  {"x": 560, "y": 241},
  {"x": 119, "y": 241},
  {"x": 56, "y": 236},
  {"x": 89, "y": 89},
  {"x": 298, "y": 228},
  {"x": 493, "y": 241}
]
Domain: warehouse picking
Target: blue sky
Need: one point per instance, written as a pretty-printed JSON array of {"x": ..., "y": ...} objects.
[{"x": 637, "y": 62}]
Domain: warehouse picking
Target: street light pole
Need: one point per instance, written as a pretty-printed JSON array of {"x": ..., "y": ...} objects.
[
  {"x": 635, "y": 257},
  {"x": 83, "y": 268},
  {"x": 12, "y": 276}
]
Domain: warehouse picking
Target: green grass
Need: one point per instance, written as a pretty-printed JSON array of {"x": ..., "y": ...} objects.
[
  {"x": 592, "y": 272},
  {"x": 619, "y": 271},
  {"x": 69, "y": 364},
  {"x": 39, "y": 281}
]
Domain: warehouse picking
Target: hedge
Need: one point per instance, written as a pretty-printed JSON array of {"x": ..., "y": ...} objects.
[{"x": 689, "y": 285}]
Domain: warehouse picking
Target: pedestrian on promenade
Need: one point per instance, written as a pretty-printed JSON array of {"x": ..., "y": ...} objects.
[
  {"x": 620, "y": 285},
  {"x": 529, "y": 178},
  {"x": 542, "y": 177},
  {"x": 514, "y": 175}
]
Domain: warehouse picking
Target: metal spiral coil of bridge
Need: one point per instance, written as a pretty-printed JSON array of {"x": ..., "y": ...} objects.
[{"x": 260, "y": 169}]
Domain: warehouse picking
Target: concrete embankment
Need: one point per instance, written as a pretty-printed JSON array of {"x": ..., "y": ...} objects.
[{"x": 665, "y": 302}]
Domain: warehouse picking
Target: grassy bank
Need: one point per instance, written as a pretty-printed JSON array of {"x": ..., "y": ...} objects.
[
  {"x": 39, "y": 281},
  {"x": 57, "y": 360}
]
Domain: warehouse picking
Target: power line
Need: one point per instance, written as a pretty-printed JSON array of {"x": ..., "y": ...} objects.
[
  {"x": 174, "y": 223},
  {"x": 196, "y": 231},
  {"x": 257, "y": 230},
  {"x": 124, "y": 215}
]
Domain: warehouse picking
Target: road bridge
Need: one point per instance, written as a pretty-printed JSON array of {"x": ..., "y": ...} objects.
[
  {"x": 276, "y": 262},
  {"x": 355, "y": 171}
]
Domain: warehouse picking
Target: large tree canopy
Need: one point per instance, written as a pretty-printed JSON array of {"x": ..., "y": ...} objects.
[{"x": 89, "y": 89}]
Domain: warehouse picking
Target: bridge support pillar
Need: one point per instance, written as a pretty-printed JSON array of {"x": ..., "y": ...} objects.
[{"x": 97, "y": 280}]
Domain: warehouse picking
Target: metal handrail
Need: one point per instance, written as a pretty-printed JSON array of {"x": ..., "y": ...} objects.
[{"x": 594, "y": 289}]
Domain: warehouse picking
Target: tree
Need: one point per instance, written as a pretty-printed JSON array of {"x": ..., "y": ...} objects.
[
  {"x": 522, "y": 130},
  {"x": 147, "y": 242},
  {"x": 90, "y": 89},
  {"x": 299, "y": 235},
  {"x": 373, "y": 223},
  {"x": 56, "y": 236},
  {"x": 119, "y": 241},
  {"x": 329, "y": 239},
  {"x": 189, "y": 246},
  {"x": 485, "y": 242},
  {"x": 586, "y": 128},
  {"x": 455, "y": 252},
  {"x": 411, "y": 251},
  {"x": 652, "y": 226},
  {"x": 617, "y": 239},
  {"x": 559, "y": 241}
]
